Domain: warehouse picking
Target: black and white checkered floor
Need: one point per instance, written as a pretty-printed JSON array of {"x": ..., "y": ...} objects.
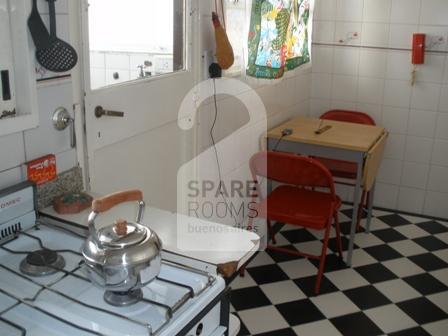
[{"x": 398, "y": 284}]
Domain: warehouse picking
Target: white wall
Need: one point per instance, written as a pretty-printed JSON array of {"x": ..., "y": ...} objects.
[
  {"x": 15, "y": 149},
  {"x": 414, "y": 175}
]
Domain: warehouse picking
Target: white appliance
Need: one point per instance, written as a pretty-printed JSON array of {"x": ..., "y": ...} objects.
[{"x": 44, "y": 292}]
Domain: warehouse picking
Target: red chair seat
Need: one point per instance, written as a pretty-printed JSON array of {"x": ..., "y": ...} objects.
[
  {"x": 338, "y": 168},
  {"x": 294, "y": 205}
]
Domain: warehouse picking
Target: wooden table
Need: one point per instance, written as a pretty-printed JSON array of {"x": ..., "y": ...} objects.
[{"x": 362, "y": 144}]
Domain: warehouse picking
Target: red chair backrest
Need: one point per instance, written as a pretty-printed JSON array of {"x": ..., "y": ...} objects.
[
  {"x": 291, "y": 169},
  {"x": 349, "y": 116}
]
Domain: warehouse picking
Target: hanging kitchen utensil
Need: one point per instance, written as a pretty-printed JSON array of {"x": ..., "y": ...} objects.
[
  {"x": 224, "y": 51},
  {"x": 37, "y": 28},
  {"x": 59, "y": 56}
]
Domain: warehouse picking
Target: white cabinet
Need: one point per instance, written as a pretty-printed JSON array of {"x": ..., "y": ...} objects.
[{"x": 17, "y": 81}]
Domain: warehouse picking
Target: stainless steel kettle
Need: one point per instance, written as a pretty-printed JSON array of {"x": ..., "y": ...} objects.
[{"x": 124, "y": 256}]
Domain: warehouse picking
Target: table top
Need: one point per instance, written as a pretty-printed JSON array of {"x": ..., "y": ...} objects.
[{"x": 342, "y": 135}]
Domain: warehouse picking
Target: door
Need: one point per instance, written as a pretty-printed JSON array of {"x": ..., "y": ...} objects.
[{"x": 140, "y": 62}]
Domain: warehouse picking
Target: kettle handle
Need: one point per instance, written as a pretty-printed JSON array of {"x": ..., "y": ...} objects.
[{"x": 108, "y": 202}]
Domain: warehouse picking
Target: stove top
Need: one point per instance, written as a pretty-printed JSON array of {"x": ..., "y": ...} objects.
[{"x": 43, "y": 291}]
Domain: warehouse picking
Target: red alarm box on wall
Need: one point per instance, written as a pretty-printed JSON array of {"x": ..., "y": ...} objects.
[
  {"x": 42, "y": 170},
  {"x": 418, "y": 49}
]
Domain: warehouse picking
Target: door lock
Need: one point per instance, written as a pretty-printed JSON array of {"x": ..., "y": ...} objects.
[{"x": 99, "y": 112}]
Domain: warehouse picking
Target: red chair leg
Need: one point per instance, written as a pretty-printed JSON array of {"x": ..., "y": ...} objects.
[
  {"x": 271, "y": 232},
  {"x": 322, "y": 260},
  {"x": 360, "y": 210},
  {"x": 243, "y": 271},
  {"x": 338, "y": 233}
]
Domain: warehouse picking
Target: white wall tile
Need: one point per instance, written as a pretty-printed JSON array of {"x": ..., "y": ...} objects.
[
  {"x": 422, "y": 123},
  {"x": 395, "y": 146},
  {"x": 319, "y": 107},
  {"x": 415, "y": 175},
  {"x": 401, "y": 35},
  {"x": 438, "y": 179},
  {"x": 443, "y": 103},
  {"x": 405, "y": 11},
  {"x": 370, "y": 90},
  {"x": 375, "y": 34},
  {"x": 117, "y": 61},
  {"x": 344, "y": 87},
  {"x": 445, "y": 74},
  {"x": 386, "y": 195},
  {"x": 343, "y": 105},
  {"x": 345, "y": 31},
  {"x": 372, "y": 63},
  {"x": 395, "y": 119},
  {"x": 349, "y": 10},
  {"x": 322, "y": 59},
  {"x": 324, "y": 31},
  {"x": 436, "y": 37},
  {"x": 325, "y": 10},
  {"x": 321, "y": 86},
  {"x": 434, "y": 12},
  {"x": 399, "y": 65},
  {"x": 425, "y": 96},
  {"x": 97, "y": 60},
  {"x": 397, "y": 93},
  {"x": 411, "y": 200},
  {"x": 435, "y": 204},
  {"x": 12, "y": 152},
  {"x": 346, "y": 61},
  {"x": 377, "y": 10},
  {"x": 442, "y": 126},
  {"x": 431, "y": 70},
  {"x": 373, "y": 110},
  {"x": 10, "y": 177},
  {"x": 440, "y": 153},
  {"x": 418, "y": 149},
  {"x": 390, "y": 171},
  {"x": 66, "y": 160}
]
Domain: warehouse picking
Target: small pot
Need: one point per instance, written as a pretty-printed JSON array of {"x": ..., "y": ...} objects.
[{"x": 124, "y": 256}]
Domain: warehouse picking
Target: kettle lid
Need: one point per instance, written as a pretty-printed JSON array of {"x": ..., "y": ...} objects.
[{"x": 122, "y": 234}]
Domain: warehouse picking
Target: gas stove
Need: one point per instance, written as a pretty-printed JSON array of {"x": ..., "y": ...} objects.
[{"x": 43, "y": 290}]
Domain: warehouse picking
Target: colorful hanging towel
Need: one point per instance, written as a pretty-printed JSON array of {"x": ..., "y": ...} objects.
[{"x": 278, "y": 37}]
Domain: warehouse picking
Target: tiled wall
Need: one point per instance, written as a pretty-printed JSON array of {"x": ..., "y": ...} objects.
[
  {"x": 15, "y": 149},
  {"x": 414, "y": 175}
]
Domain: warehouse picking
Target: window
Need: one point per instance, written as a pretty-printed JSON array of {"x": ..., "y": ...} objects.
[{"x": 135, "y": 39}]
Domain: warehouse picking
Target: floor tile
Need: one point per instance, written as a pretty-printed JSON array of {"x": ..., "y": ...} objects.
[
  {"x": 319, "y": 328},
  {"x": 416, "y": 331},
  {"x": 311, "y": 247},
  {"x": 349, "y": 213},
  {"x": 298, "y": 236},
  {"x": 307, "y": 285},
  {"x": 247, "y": 298},
  {"x": 375, "y": 273},
  {"x": 403, "y": 267},
  {"x": 298, "y": 268},
  {"x": 375, "y": 224},
  {"x": 412, "y": 231},
  {"x": 407, "y": 248},
  {"x": 422, "y": 310},
  {"x": 332, "y": 263},
  {"x": 433, "y": 227},
  {"x": 394, "y": 220},
  {"x": 282, "y": 332},
  {"x": 333, "y": 244},
  {"x": 261, "y": 259},
  {"x": 281, "y": 256},
  {"x": 334, "y": 304},
  {"x": 282, "y": 291},
  {"x": 429, "y": 262},
  {"x": 443, "y": 237},
  {"x": 367, "y": 240},
  {"x": 281, "y": 240},
  {"x": 367, "y": 297},
  {"x": 347, "y": 226},
  {"x": 397, "y": 290},
  {"x": 440, "y": 300},
  {"x": 263, "y": 319},
  {"x": 267, "y": 274},
  {"x": 425, "y": 284},
  {"x": 300, "y": 312},
  {"x": 389, "y": 235},
  {"x": 442, "y": 254},
  {"x": 243, "y": 281},
  {"x": 346, "y": 279},
  {"x": 390, "y": 318},
  {"x": 355, "y": 325},
  {"x": 438, "y": 328},
  {"x": 441, "y": 275},
  {"x": 243, "y": 329},
  {"x": 383, "y": 252},
  {"x": 431, "y": 243},
  {"x": 361, "y": 258}
]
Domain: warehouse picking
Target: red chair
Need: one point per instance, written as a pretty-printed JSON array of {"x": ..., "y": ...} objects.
[
  {"x": 344, "y": 169},
  {"x": 296, "y": 201}
]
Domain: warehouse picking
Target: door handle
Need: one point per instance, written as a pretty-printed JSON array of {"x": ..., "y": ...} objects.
[{"x": 99, "y": 112}]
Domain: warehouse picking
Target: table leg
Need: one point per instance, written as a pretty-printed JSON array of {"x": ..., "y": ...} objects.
[
  {"x": 355, "y": 212},
  {"x": 370, "y": 207}
]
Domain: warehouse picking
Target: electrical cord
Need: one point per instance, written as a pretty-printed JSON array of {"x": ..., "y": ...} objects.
[
  {"x": 217, "y": 155},
  {"x": 285, "y": 133}
]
